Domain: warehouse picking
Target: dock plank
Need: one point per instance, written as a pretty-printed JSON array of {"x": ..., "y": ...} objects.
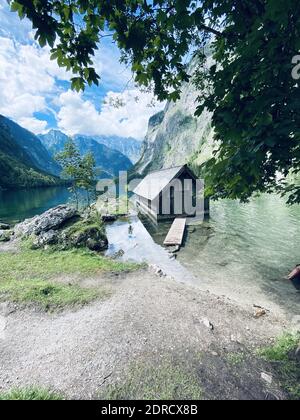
[{"x": 176, "y": 233}]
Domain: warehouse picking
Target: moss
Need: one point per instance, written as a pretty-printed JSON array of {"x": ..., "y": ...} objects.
[
  {"x": 31, "y": 393},
  {"x": 167, "y": 380},
  {"x": 5, "y": 236}
]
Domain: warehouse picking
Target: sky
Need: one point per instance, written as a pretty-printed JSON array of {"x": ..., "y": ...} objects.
[{"x": 36, "y": 93}]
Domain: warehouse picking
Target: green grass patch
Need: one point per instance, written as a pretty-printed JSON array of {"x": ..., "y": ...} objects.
[
  {"x": 235, "y": 359},
  {"x": 48, "y": 295},
  {"x": 281, "y": 349},
  {"x": 31, "y": 393},
  {"x": 28, "y": 276},
  {"x": 48, "y": 264},
  {"x": 165, "y": 381},
  {"x": 282, "y": 357}
]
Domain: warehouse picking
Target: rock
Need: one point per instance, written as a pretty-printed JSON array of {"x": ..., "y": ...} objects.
[
  {"x": 4, "y": 226},
  {"x": 97, "y": 245},
  {"x": 208, "y": 324},
  {"x": 84, "y": 234},
  {"x": 267, "y": 378},
  {"x": 157, "y": 270},
  {"x": 259, "y": 313},
  {"x": 297, "y": 353},
  {"x": 5, "y": 236},
  {"x": 47, "y": 238},
  {"x": 108, "y": 218},
  {"x": 118, "y": 254},
  {"x": 52, "y": 219}
]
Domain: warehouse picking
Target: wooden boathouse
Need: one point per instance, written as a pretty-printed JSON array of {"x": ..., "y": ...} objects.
[{"x": 166, "y": 194}]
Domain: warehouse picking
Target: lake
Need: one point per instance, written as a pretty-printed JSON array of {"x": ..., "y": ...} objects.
[
  {"x": 245, "y": 248},
  {"x": 22, "y": 204}
]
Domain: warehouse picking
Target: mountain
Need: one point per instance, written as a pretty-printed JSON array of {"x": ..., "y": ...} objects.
[
  {"x": 175, "y": 136},
  {"x": 128, "y": 146},
  {"x": 109, "y": 161},
  {"x": 24, "y": 162}
]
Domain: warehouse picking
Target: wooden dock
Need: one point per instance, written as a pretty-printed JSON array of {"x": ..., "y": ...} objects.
[{"x": 176, "y": 233}]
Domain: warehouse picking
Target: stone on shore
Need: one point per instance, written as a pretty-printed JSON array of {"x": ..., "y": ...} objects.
[
  {"x": 4, "y": 226},
  {"x": 64, "y": 227},
  {"x": 52, "y": 219}
]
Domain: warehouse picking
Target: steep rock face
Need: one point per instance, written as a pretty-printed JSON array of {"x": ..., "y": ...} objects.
[{"x": 175, "y": 136}]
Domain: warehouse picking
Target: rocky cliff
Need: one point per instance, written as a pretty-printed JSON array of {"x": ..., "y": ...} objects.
[{"x": 175, "y": 136}]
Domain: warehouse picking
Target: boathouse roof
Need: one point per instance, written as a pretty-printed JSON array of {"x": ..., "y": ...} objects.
[{"x": 155, "y": 182}]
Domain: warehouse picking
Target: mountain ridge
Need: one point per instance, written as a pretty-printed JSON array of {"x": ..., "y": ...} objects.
[
  {"x": 109, "y": 161},
  {"x": 19, "y": 168}
]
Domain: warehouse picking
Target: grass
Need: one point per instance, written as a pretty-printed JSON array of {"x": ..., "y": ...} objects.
[
  {"x": 280, "y": 350},
  {"x": 47, "y": 264},
  {"x": 282, "y": 357},
  {"x": 30, "y": 276},
  {"x": 31, "y": 393},
  {"x": 167, "y": 380},
  {"x": 235, "y": 359},
  {"x": 48, "y": 295}
]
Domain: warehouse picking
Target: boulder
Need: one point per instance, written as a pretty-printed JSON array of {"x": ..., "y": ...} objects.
[
  {"x": 108, "y": 218},
  {"x": 5, "y": 236},
  {"x": 85, "y": 233},
  {"x": 52, "y": 219},
  {"x": 47, "y": 238},
  {"x": 4, "y": 226}
]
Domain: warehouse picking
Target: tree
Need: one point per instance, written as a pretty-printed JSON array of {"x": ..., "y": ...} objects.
[
  {"x": 81, "y": 171},
  {"x": 248, "y": 88},
  {"x": 87, "y": 176},
  {"x": 70, "y": 161}
]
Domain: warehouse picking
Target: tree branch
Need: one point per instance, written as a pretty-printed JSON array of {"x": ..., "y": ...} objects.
[{"x": 211, "y": 30}]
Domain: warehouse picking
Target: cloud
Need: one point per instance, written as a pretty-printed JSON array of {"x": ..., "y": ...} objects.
[
  {"x": 11, "y": 26},
  {"x": 28, "y": 77},
  {"x": 34, "y": 90},
  {"x": 34, "y": 125},
  {"x": 79, "y": 116},
  {"x": 114, "y": 75}
]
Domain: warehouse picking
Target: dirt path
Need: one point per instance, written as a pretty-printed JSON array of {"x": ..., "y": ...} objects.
[{"x": 149, "y": 322}]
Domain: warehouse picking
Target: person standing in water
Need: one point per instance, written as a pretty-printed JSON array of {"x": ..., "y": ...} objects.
[{"x": 130, "y": 231}]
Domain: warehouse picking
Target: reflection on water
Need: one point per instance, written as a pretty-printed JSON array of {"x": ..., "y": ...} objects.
[{"x": 22, "y": 204}]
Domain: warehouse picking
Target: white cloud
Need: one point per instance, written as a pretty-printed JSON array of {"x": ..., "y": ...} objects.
[
  {"x": 11, "y": 25},
  {"x": 34, "y": 125},
  {"x": 29, "y": 85},
  {"x": 79, "y": 116},
  {"x": 27, "y": 78},
  {"x": 114, "y": 75}
]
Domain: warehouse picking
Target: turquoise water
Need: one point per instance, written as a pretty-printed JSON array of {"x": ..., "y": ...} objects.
[
  {"x": 22, "y": 204},
  {"x": 247, "y": 249}
]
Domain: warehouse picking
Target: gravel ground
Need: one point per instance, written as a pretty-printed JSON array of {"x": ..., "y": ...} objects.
[{"x": 82, "y": 352}]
